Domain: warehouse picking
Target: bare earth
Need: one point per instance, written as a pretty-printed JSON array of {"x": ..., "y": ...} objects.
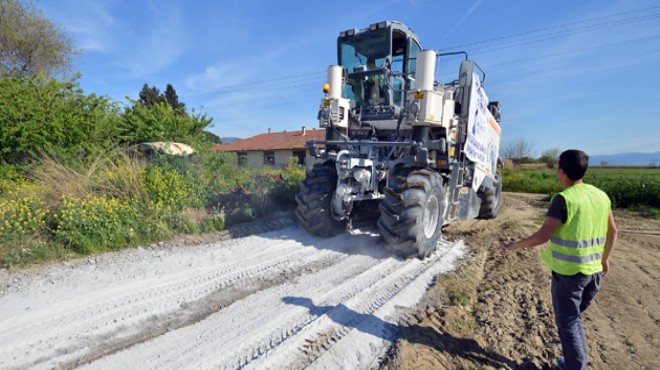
[
  {"x": 505, "y": 319},
  {"x": 270, "y": 296}
]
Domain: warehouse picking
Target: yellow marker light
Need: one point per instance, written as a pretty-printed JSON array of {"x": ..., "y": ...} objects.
[
  {"x": 326, "y": 103},
  {"x": 419, "y": 96},
  {"x": 326, "y": 88}
]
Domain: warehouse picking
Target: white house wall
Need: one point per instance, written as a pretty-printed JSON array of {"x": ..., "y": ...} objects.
[{"x": 256, "y": 159}]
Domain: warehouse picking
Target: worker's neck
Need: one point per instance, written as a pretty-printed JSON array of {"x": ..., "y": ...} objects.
[{"x": 570, "y": 182}]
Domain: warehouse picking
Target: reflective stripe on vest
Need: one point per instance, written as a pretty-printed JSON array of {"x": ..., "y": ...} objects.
[
  {"x": 577, "y": 259},
  {"x": 577, "y": 243}
]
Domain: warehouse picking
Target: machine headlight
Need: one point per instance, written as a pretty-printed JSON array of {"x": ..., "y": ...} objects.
[
  {"x": 414, "y": 108},
  {"x": 325, "y": 112},
  {"x": 362, "y": 176}
]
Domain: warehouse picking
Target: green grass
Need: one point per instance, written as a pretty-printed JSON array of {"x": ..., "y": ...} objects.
[
  {"x": 626, "y": 187},
  {"x": 459, "y": 297}
]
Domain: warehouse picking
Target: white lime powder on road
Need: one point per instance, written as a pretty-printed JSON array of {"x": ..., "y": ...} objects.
[{"x": 282, "y": 299}]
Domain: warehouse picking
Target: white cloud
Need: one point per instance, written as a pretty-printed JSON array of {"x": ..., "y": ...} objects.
[{"x": 158, "y": 44}]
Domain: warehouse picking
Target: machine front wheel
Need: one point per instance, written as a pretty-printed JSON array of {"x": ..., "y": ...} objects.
[
  {"x": 314, "y": 211},
  {"x": 412, "y": 213}
]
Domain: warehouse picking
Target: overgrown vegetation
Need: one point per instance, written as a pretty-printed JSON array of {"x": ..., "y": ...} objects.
[
  {"x": 114, "y": 202},
  {"x": 69, "y": 187}
]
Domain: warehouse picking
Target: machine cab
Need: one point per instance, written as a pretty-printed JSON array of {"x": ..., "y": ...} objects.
[{"x": 378, "y": 61}]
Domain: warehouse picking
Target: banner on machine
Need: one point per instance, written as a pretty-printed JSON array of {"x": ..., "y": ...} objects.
[{"x": 483, "y": 137}]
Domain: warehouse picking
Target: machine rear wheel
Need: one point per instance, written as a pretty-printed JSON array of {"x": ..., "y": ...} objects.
[
  {"x": 490, "y": 199},
  {"x": 314, "y": 201},
  {"x": 412, "y": 213}
]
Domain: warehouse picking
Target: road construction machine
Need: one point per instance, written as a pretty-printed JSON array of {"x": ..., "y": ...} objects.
[{"x": 426, "y": 152}]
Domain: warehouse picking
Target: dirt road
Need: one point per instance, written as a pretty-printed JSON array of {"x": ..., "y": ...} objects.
[
  {"x": 284, "y": 299},
  {"x": 497, "y": 311},
  {"x": 281, "y": 299}
]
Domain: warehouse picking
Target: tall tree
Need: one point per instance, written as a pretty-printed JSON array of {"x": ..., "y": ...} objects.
[
  {"x": 150, "y": 96},
  {"x": 31, "y": 44},
  {"x": 173, "y": 99}
]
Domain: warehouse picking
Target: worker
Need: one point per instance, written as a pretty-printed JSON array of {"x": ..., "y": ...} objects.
[
  {"x": 582, "y": 234},
  {"x": 373, "y": 85}
]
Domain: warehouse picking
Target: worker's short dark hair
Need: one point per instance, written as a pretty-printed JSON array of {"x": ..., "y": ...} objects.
[{"x": 574, "y": 163}]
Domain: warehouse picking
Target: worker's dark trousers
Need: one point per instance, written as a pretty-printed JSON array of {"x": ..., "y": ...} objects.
[{"x": 571, "y": 295}]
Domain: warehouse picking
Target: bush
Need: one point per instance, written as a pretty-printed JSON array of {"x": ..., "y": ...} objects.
[
  {"x": 22, "y": 213},
  {"x": 160, "y": 122},
  {"x": 95, "y": 224},
  {"x": 47, "y": 116},
  {"x": 170, "y": 190},
  {"x": 112, "y": 202}
]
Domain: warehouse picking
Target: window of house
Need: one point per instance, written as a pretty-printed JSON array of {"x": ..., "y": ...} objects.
[
  {"x": 300, "y": 154},
  {"x": 269, "y": 158},
  {"x": 242, "y": 159}
]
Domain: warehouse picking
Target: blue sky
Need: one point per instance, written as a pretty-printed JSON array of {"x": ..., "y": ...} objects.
[{"x": 568, "y": 74}]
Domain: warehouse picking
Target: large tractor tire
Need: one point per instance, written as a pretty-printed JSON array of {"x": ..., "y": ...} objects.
[
  {"x": 314, "y": 201},
  {"x": 412, "y": 213},
  {"x": 491, "y": 199}
]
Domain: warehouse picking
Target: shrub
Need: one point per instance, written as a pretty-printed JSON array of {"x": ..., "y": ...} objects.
[
  {"x": 160, "y": 122},
  {"x": 22, "y": 213},
  {"x": 94, "y": 224},
  {"x": 47, "y": 116},
  {"x": 171, "y": 190}
]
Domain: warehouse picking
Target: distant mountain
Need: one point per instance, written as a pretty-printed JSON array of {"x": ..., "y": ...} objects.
[
  {"x": 626, "y": 159},
  {"x": 229, "y": 140}
]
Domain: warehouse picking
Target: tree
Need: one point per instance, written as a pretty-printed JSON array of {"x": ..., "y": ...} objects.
[
  {"x": 550, "y": 157},
  {"x": 31, "y": 44},
  {"x": 142, "y": 123},
  {"x": 173, "y": 99},
  {"x": 150, "y": 96},
  {"x": 160, "y": 116},
  {"x": 211, "y": 137},
  {"x": 519, "y": 151},
  {"x": 52, "y": 117}
]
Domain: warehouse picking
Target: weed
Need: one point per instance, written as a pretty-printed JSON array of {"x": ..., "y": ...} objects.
[{"x": 459, "y": 297}]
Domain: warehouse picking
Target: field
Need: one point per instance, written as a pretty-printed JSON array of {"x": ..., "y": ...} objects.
[
  {"x": 627, "y": 187},
  {"x": 495, "y": 312}
]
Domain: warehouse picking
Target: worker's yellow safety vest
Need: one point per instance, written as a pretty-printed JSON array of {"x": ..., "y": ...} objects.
[{"x": 578, "y": 244}]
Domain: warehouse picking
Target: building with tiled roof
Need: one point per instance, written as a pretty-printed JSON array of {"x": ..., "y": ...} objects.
[{"x": 274, "y": 148}]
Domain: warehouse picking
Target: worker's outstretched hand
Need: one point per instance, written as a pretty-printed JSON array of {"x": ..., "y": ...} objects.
[{"x": 510, "y": 246}]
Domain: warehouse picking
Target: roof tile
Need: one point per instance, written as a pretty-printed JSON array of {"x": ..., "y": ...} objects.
[{"x": 273, "y": 141}]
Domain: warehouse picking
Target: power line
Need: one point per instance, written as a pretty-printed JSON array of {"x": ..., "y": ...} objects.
[
  {"x": 260, "y": 82},
  {"x": 561, "y": 53},
  {"x": 564, "y": 33},
  {"x": 573, "y": 51},
  {"x": 304, "y": 78},
  {"x": 549, "y": 28}
]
